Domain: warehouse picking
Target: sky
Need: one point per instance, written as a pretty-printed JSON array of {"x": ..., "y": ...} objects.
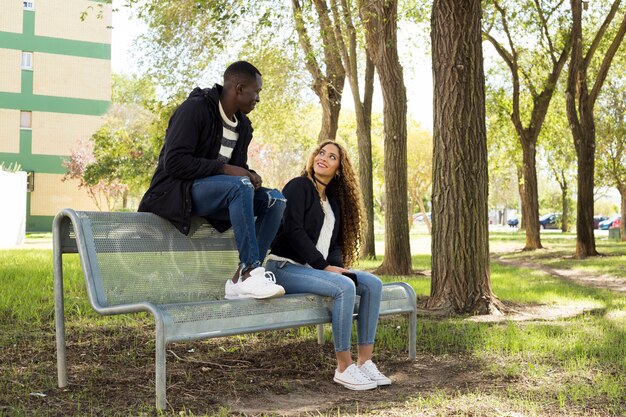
[{"x": 417, "y": 69}]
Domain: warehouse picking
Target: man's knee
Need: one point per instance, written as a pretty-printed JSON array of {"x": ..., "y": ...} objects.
[{"x": 276, "y": 199}]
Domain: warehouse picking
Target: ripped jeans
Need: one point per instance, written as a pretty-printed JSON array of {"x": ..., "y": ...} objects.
[{"x": 227, "y": 197}]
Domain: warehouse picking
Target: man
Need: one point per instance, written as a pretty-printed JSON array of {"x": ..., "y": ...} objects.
[{"x": 203, "y": 171}]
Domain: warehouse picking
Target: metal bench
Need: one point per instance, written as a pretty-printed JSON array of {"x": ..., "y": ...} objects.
[{"x": 136, "y": 262}]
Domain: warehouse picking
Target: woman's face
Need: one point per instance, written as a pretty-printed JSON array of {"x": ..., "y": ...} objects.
[{"x": 326, "y": 162}]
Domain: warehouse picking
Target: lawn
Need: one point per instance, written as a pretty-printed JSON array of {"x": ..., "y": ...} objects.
[{"x": 573, "y": 366}]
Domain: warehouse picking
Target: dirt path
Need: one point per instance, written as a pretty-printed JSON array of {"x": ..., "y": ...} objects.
[{"x": 606, "y": 282}]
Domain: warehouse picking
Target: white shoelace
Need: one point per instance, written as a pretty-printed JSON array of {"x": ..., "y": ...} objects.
[
  {"x": 357, "y": 374},
  {"x": 371, "y": 367}
]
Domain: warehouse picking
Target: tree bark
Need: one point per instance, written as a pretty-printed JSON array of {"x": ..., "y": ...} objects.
[
  {"x": 363, "y": 115},
  {"x": 580, "y": 101},
  {"x": 565, "y": 206},
  {"x": 530, "y": 202},
  {"x": 460, "y": 242},
  {"x": 379, "y": 18},
  {"x": 329, "y": 86}
]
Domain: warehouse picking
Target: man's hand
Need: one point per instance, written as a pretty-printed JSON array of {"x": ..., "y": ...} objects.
[
  {"x": 256, "y": 180},
  {"x": 237, "y": 171}
]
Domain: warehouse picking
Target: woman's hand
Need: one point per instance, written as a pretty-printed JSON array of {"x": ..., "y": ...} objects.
[{"x": 336, "y": 269}]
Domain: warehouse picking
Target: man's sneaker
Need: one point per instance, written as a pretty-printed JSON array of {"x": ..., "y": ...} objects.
[
  {"x": 372, "y": 372},
  {"x": 353, "y": 378},
  {"x": 260, "y": 284}
]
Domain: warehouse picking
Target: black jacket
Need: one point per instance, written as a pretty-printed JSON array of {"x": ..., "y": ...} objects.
[
  {"x": 190, "y": 150},
  {"x": 302, "y": 223}
]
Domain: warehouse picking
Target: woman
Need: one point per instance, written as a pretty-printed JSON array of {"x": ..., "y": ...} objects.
[{"x": 319, "y": 235}]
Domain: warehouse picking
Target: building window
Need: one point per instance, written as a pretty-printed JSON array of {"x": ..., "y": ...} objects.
[
  {"x": 29, "y": 5},
  {"x": 27, "y": 60},
  {"x": 26, "y": 119}
]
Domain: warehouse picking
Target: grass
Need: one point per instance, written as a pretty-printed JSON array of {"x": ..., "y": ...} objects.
[{"x": 568, "y": 367}]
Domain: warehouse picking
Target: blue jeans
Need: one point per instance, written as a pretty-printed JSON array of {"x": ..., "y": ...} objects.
[
  {"x": 227, "y": 197},
  {"x": 299, "y": 279}
]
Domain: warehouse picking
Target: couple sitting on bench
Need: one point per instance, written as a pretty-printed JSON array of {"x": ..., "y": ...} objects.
[{"x": 313, "y": 227}]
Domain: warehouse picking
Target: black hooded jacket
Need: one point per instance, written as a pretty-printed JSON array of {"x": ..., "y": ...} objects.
[{"x": 190, "y": 151}]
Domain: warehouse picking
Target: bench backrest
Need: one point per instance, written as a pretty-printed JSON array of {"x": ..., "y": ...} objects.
[{"x": 137, "y": 257}]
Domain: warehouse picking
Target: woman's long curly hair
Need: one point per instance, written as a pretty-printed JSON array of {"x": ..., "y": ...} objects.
[{"x": 345, "y": 188}]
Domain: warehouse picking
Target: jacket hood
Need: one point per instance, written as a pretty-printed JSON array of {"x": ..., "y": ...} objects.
[{"x": 212, "y": 95}]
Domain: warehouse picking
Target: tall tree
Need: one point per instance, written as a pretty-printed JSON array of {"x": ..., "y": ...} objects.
[
  {"x": 534, "y": 71},
  {"x": 580, "y": 101},
  {"x": 460, "y": 242},
  {"x": 379, "y": 19},
  {"x": 346, "y": 34},
  {"x": 329, "y": 78}
]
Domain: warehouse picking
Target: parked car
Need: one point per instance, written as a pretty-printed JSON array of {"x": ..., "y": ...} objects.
[
  {"x": 514, "y": 222},
  {"x": 606, "y": 224},
  {"x": 550, "y": 221},
  {"x": 617, "y": 222},
  {"x": 597, "y": 220}
]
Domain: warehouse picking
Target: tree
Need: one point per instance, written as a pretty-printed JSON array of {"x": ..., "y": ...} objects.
[
  {"x": 346, "y": 35},
  {"x": 329, "y": 79},
  {"x": 534, "y": 71},
  {"x": 460, "y": 242},
  {"x": 379, "y": 19},
  {"x": 586, "y": 69},
  {"x": 611, "y": 144},
  {"x": 126, "y": 147}
]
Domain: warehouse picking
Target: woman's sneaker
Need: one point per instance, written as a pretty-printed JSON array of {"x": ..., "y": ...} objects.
[
  {"x": 353, "y": 378},
  {"x": 372, "y": 372},
  {"x": 260, "y": 284}
]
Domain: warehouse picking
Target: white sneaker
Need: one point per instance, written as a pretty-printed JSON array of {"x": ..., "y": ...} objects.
[
  {"x": 353, "y": 378},
  {"x": 372, "y": 372},
  {"x": 260, "y": 284}
]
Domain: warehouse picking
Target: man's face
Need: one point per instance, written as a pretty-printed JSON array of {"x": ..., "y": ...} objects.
[{"x": 248, "y": 94}]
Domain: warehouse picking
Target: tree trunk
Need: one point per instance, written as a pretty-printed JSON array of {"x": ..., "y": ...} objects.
[
  {"x": 328, "y": 87},
  {"x": 460, "y": 242},
  {"x": 530, "y": 207},
  {"x": 565, "y": 206},
  {"x": 330, "y": 100},
  {"x": 585, "y": 238},
  {"x": 380, "y": 20},
  {"x": 363, "y": 112}
]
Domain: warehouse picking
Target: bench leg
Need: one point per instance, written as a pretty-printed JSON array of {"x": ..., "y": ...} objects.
[
  {"x": 160, "y": 380},
  {"x": 412, "y": 334},
  {"x": 320, "y": 334},
  {"x": 59, "y": 317}
]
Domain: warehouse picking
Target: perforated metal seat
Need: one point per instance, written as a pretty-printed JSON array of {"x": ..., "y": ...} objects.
[{"x": 139, "y": 262}]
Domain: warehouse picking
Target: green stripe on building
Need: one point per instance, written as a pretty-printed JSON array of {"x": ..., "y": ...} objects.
[
  {"x": 21, "y": 101},
  {"x": 30, "y": 42}
]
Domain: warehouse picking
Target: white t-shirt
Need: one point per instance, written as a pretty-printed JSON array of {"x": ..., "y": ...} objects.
[{"x": 323, "y": 242}]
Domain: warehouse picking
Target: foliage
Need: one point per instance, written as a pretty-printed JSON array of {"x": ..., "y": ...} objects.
[
  {"x": 420, "y": 168},
  {"x": 611, "y": 130},
  {"x": 11, "y": 167},
  {"x": 105, "y": 192},
  {"x": 126, "y": 147}
]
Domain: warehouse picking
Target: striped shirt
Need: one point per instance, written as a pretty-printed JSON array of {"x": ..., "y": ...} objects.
[{"x": 229, "y": 136}]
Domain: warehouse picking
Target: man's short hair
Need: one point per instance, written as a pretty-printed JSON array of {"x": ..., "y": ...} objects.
[{"x": 240, "y": 71}]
